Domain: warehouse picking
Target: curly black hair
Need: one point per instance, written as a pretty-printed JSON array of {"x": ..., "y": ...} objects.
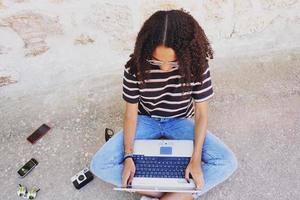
[{"x": 176, "y": 29}]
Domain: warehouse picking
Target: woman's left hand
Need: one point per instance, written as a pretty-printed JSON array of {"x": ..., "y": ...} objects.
[{"x": 194, "y": 167}]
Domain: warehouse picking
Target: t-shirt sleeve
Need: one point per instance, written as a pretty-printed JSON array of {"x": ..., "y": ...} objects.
[
  {"x": 205, "y": 91},
  {"x": 131, "y": 91}
]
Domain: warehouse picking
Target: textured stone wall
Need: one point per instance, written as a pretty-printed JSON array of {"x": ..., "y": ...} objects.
[{"x": 49, "y": 42}]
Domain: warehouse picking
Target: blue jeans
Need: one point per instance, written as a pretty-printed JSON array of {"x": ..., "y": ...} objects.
[{"x": 218, "y": 161}]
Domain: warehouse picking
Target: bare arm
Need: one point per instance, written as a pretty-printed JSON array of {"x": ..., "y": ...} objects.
[
  {"x": 194, "y": 167},
  {"x": 201, "y": 121},
  {"x": 129, "y": 126},
  {"x": 130, "y": 119}
]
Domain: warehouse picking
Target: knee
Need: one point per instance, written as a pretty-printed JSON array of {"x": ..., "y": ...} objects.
[
  {"x": 96, "y": 166},
  {"x": 230, "y": 161},
  {"x": 93, "y": 165}
]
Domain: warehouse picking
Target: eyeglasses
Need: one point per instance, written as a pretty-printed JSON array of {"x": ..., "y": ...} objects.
[{"x": 159, "y": 63}]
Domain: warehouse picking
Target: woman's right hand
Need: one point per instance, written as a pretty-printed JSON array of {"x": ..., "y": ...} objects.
[{"x": 128, "y": 172}]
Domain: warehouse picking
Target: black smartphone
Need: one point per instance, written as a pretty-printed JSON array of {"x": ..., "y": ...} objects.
[
  {"x": 29, "y": 166},
  {"x": 37, "y": 134}
]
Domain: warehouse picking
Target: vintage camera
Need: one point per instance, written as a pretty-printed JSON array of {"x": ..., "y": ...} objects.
[{"x": 82, "y": 178}]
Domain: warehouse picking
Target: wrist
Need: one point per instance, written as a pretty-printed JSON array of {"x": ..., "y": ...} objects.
[
  {"x": 127, "y": 156},
  {"x": 128, "y": 150},
  {"x": 128, "y": 159},
  {"x": 195, "y": 159}
]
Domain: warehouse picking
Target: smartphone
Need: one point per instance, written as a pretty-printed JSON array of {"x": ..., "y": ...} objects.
[
  {"x": 29, "y": 166},
  {"x": 37, "y": 134}
]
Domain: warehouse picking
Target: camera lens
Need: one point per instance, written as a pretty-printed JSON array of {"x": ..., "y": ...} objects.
[{"x": 81, "y": 177}]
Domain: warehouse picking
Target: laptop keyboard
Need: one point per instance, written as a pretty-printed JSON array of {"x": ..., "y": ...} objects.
[{"x": 160, "y": 166}]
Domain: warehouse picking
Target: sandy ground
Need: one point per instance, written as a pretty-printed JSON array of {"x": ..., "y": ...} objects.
[{"x": 255, "y": 111}]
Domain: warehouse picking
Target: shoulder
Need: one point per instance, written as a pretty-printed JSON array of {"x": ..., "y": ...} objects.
[{"x": 129, "y": 71}]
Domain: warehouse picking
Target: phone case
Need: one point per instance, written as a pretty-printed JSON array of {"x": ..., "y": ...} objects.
[
  {"x": 38, "y": 133},
  {"x": 28, "y": 167}
]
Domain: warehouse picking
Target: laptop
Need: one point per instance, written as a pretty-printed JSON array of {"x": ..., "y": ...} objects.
[{"x": 160, "y": 166}]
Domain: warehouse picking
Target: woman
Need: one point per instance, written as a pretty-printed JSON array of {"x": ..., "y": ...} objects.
[{"x": 166, "y": 86}]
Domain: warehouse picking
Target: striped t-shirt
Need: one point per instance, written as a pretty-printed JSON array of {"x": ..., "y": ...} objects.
[{"x": 162, "y": 96}]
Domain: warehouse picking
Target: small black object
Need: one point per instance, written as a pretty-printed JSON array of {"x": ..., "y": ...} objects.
[
  {"x": 162, "y": 138},
  {"x": 108, "y": 133},
  {"x": 30, "y": 165},
  {"x": 82, "y": 178},
  {"x": 128, "y": 156}
]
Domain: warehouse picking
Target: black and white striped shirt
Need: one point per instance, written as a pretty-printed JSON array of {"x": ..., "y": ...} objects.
[{"x": 161, "y": 96}]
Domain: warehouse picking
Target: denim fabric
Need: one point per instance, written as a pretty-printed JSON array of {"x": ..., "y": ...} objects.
[{"x": 218, "y": 161}]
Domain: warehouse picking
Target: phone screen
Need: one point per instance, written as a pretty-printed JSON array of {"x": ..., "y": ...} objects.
[
  {"x": 36, "y": 135},
  {"x": 27, "y": 167}
]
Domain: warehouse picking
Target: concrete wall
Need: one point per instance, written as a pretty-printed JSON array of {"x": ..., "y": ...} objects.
[{"x": 49, "y": 43}]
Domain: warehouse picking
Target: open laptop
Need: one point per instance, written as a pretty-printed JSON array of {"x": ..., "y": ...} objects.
[{"x": 160, "y": 166}]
